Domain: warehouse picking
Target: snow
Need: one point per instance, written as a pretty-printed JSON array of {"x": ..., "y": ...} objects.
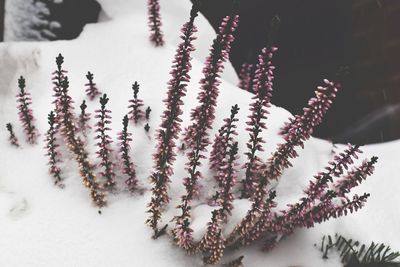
[
  {"x": 42, "y": 225},
  {"x": 28, "y": 20}
]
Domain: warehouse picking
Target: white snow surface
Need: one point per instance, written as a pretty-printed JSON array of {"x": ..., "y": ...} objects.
[{"x": 42, "y": 225}]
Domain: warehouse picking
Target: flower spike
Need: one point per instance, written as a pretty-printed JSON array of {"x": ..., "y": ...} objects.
[
  {"x": 52, "y": 153},
  {"x": 77, "y": 148},
  {"x": 156, "y": 36},
  {"x": 136, "y": 113},
  {"x": 196, "y": 136},
  {"x": 128, "y": 167},
  {"x": 167, "y": 134},
  {"x": 104, "y": 152},
  {"x": 25, "y": 112}
]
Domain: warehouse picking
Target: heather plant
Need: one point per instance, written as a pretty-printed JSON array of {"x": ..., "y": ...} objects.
[
  {"x": 76, "y": 146},
  {"x": 280, "y": 159},
  {"x": 135, "y": 108},
  {"x": 66, "y": 118},
  {"x": 104, "y": 149},
  {"x": 262, "y": 220},
  {"x": 68, "y": 127},
  {"x": 64, "y": 122},
  {"x": 57, "y": 77},
  {"x": 297, "y": 134},
  {"x": 250, "y": 233},
  {"x": 222, "y": 140},
  {"x": 170, "y": 127},
  {"x": 12, "y": 138},
  {"x": 128, "y": 167},
  {"x": 202, "y": 117},
  {"x": 52, "y": 151},
  {"x": 213, "y": 244},
  {"x": 263, "y": 83},
  {"x": 25, "y": 113},
  {"x": 313, "y": 113},
  {"x": 92, "y": 91},
  {"x": 156, "y": 35},
  {"x": 228, "y": 178},
  {"x": 326, "y": 196},
  {"x": 316, "y": 206},
  {"x": 317, "y": 190}
]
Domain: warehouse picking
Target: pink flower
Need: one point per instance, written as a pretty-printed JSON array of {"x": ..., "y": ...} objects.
[{"x": 156, "y": 36}]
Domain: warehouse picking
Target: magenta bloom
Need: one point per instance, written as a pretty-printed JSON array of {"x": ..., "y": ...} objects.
[
  {"x": 170, "y": 127},
  {"x": 355, "y": 177},
  {"x": 156, "y": 35},
  {"x": 295, "y": 134},
  {"x": 316, "y": 190},
  {"x": 262, "y": 86},
  {"x": 203, "y": 115},
  {"x": 279, "y": 160},
  {"x": 223, "y": 139}
]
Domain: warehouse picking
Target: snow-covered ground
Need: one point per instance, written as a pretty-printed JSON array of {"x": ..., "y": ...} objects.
[{"x": 42, "y": 225}]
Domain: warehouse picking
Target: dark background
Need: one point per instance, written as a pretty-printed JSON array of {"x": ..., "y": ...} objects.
[
  {"x": 73, "y": 16},
  {"x": 2, "y": 2},
  {"x": 354, "y": 42}
]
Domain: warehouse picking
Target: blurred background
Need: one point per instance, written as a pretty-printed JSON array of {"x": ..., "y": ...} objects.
[{"x": 354, "y": 42}]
